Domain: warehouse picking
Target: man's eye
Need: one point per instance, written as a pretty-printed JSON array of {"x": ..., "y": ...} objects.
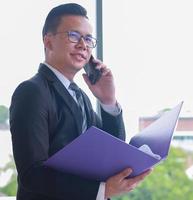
[
  {"x": 74, "y": 34},
  {"x": 88, "y": 39}
]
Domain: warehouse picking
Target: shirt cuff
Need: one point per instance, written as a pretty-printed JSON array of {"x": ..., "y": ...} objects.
[
  {"x": 112, "y": 109},
  {"x": 101, "y": 192}
]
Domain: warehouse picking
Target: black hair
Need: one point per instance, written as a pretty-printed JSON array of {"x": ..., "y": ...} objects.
[{"x": 54, "y": 16}]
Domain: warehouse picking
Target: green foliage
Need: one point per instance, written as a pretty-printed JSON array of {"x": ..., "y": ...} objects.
[
  {"x": 11, "y": 187},
  {"x": 167, "y": 181},
  {"x": 4, "y": 113}
]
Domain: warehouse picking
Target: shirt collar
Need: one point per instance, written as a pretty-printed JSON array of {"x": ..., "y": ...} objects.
[{"x": 59, "y": 75}]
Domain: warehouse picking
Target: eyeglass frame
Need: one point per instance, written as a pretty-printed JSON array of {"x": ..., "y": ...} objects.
[{"x": 81, "y": 36}]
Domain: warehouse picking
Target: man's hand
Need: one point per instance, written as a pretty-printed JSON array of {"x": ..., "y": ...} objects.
[
  {"x": 103, "y": 89},
  {"x": 119, "y": 184}
]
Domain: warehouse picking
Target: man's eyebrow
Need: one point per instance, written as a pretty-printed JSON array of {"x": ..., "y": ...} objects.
[
  {"x": 72, "y": 30},
  {"x": 89, "y": 35}
]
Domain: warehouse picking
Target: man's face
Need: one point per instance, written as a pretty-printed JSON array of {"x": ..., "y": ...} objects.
[{"x": 65, "y": 55}]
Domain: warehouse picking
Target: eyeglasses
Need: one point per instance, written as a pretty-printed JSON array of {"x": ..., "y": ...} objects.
[{"x": 75, "y": 37}]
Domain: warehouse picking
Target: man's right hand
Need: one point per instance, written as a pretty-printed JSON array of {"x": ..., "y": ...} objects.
[{"x": 119, "y": 184}]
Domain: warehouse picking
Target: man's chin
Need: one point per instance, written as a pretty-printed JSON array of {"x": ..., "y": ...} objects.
[{"x": 78, "y": 68}]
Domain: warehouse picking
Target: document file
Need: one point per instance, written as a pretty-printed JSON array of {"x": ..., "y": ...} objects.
[{"x": 98, "y": 155}]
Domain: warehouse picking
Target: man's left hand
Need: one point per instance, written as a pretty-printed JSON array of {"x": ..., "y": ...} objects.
[{"x": 104, "y": 88}]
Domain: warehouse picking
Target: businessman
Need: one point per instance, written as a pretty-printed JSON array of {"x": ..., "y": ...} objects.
[{"x": 49, "y": 111}]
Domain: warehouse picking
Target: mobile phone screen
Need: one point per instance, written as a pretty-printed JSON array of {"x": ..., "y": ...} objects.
[{"x": 91, "y": 71}]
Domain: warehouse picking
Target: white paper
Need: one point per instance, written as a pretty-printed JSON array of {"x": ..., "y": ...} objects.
[{"x": 146, "y": 149}]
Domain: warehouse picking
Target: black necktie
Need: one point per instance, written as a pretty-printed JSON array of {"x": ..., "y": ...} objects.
[{"x": 80, "y": 103}]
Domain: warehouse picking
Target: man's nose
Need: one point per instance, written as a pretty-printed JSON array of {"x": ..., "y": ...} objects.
[{"x": 82, "y": 43}]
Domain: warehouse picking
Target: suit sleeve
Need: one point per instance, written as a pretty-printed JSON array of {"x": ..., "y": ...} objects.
[
  {"x": 113, "y": 124},
  {"x": 30, "y": 139}
]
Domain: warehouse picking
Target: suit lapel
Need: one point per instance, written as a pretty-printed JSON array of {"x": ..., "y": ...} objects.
[{"x": 62, "y": 91}]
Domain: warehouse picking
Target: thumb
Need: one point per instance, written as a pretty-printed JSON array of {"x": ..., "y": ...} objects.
[{"x": 123, "y": 174}]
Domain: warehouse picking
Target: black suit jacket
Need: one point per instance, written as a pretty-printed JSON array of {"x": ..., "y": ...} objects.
[{"x": 43, "y": 119}]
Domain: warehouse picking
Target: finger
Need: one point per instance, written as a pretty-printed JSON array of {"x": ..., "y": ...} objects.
[
  {"x": 132, "y": 183},
  {"x": 130, "y": 186},
  {"x": 101, "y": 66},
  {"x": 142, "y": 176},
  {"x": 122, "y": 175},
  {"x": 106, "y": 71}
]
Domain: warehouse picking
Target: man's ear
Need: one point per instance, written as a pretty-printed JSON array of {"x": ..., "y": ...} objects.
[{"x": 47, "y": 42}]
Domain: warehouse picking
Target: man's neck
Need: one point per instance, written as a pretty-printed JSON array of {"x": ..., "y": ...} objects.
[{"x": 66, "y": 73}]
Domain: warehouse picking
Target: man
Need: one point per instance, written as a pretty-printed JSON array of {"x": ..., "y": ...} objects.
[{"x": 45, "y": 113}]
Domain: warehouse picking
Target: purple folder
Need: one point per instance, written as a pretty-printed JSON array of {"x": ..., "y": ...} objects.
[{"x": 98, "y": 155}]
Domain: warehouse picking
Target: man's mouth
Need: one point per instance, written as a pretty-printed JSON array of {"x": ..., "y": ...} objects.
[{"x": 79, "y": 56}]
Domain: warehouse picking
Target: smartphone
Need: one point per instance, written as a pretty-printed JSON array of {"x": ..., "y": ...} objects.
[{"x": 91, "y": 71}]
